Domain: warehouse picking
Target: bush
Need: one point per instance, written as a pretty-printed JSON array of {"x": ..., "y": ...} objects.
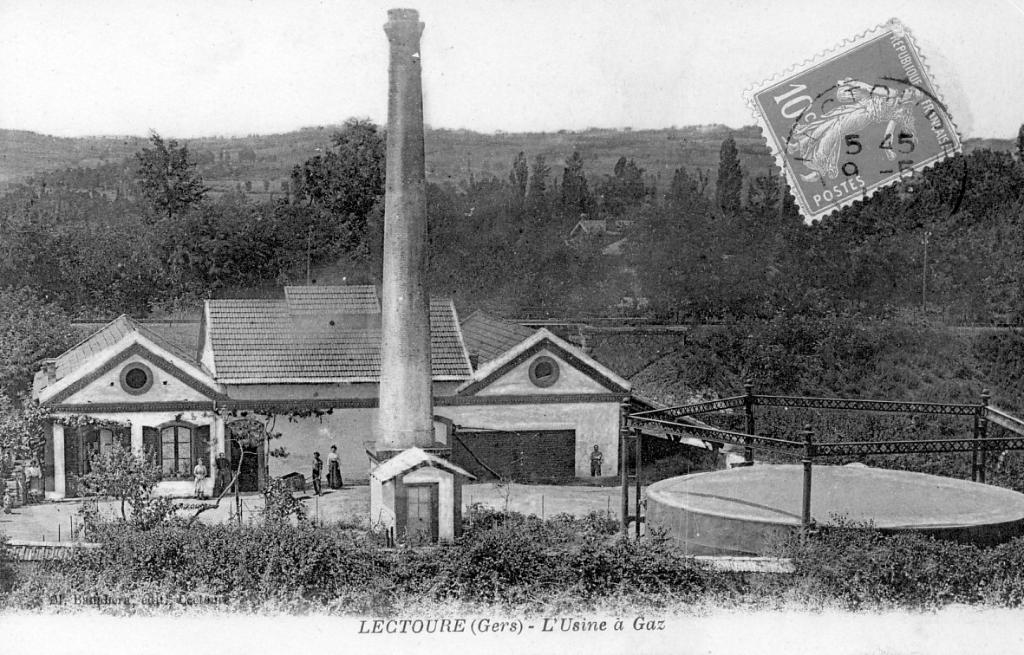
[
  {"x": 858, "y": 566},
  {"x": 6, "y": 572},
  {"x": 280, "y": 503}
]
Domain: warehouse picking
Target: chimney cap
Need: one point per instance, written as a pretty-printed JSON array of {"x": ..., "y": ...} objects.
[{"x": 403, "y": 15}]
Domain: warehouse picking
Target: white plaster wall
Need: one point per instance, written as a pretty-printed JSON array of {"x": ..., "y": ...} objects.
[{"x": 346, "y": 428}]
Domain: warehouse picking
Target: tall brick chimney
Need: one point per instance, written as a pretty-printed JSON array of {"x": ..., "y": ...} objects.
[{"x": 405, "y": 418}]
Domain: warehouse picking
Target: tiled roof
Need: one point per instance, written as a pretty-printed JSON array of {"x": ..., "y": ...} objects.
[
  {"x": 489, "y": 337},
  {"x": 266, "y": 340},
  {"x": 181, "y": 333},
  {"x": 173, "y": 339},
  {"x": 342, "y": 299},
  {"x": 98, "y": 341}
]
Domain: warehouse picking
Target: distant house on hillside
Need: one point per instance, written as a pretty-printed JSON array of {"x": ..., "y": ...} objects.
[{"x": 509, "y": 400}]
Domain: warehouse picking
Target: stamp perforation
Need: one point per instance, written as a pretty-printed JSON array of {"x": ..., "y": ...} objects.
[{"x": 861, "y": 41}]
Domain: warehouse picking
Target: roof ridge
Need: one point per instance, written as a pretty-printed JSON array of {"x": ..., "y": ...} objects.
[{"x": 94, "y": 333}]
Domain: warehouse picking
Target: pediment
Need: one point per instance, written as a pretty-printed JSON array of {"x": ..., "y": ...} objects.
[
  {"x": 544, "y": 364},
  {"x": 135, "y": 374}
]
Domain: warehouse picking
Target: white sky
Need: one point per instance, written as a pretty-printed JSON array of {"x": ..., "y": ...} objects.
[{"x": 204, "y": 67}]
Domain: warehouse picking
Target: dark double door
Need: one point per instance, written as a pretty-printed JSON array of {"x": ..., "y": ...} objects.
[
  {"x": 249, "y": 478},
  {"x": 524, "y": 456}
]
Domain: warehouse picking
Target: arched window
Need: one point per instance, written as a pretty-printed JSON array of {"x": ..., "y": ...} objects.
[
  {"x": 176, "y": 447},
  {"x": 176, "y": 451}
]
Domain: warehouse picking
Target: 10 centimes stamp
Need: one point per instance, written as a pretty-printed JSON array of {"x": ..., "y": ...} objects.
[{"x": 854, "y": 119}]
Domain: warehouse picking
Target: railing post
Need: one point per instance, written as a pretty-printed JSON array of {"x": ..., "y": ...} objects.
[
  {"x": 639, "y": 435},
  {"x": 805, "y": 516},
  {"x": 983, "y": 434},
  {"x": 748, "y": 409},
  {"x": 623, "y": 472},
  {"x": 976, "y": 432}
]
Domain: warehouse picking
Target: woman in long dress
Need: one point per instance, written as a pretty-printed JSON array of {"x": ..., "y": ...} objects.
[{"x": 333, "y": 469}]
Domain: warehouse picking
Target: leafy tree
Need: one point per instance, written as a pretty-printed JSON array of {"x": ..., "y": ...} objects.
[
  {"x": 347, "y": 180},
  {"x": 124, "y": 476},
  {"x": 1020, "y": 144},
  {"x": 575, "y": 193},
  {"x": 31, "y": 330},
  {"x": 22, "y": 427},
  {"x": 168, "y": 178},
  {"x": 730, "y": 177},
  {"x": 686, "y": 191},
  {"x": 763, "y": 195},
  {"x": 518, "y": 179},
  {"x": 536, "y": 194},
  {"x": 625, "y": 188}
]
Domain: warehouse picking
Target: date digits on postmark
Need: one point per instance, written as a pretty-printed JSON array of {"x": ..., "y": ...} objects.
[{"x": 854, "y": 120}]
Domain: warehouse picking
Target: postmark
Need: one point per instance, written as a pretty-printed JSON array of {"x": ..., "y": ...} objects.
[{"x": 854, "y": 120}]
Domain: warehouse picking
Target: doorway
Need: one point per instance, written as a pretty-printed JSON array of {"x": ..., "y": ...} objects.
[
  {"x": 421, "y": 512},
  {"x": 249, "y": 477}
]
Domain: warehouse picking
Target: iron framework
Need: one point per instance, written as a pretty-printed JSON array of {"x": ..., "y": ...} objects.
[{"x": 676, "y": 422}]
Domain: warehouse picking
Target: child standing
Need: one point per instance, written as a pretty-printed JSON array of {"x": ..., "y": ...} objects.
[{"x": 200, "y": 475}]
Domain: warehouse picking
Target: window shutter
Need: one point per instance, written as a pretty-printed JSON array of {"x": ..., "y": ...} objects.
[
  {"x": 151, "y": 445},
  {"x": 201, "y": 446},
  {"x": 123, "y": 436}
]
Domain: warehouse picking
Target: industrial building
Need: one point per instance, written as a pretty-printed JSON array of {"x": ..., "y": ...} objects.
[{"x": 509, "y": 401}]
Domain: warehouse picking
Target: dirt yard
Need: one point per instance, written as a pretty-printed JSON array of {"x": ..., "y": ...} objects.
[{"x": 53, "y": 521}]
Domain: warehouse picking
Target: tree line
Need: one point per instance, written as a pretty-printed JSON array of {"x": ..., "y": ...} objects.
[{"x": 712, "y": 245}]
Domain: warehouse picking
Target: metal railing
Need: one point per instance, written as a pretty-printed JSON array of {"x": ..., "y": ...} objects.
[{"x": 675, "y": 422}]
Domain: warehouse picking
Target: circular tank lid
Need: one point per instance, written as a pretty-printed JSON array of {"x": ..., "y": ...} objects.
[{"x": 889, "y": 499}]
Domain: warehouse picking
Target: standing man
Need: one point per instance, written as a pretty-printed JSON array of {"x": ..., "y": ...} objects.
[
  {"x": 318, "y": 468},
  {"x": 596, "y": 458},
  {"x": 200, "y": 475}
]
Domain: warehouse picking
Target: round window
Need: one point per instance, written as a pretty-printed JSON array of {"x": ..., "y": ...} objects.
[
  {"x": 136, "y": 378},
  {"x": 544, "y": 371}
]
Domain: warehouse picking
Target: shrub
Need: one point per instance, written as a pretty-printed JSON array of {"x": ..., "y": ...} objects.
[
  {"x": 280, "y": 503},
  {"x": 496, "y": 564},
  {"x": 859, "y": 566},
  {"x": 6, "y": 572}
]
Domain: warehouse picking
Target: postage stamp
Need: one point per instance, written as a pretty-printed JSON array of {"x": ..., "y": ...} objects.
[{"x": 854, "y": 119}]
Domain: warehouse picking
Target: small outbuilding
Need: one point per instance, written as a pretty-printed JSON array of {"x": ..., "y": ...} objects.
[{"x": 420, "y": 495}]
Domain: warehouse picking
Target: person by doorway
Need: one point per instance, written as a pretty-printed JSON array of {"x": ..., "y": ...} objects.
[
  {"x": 222, "y": 474},
  {"x": 596, "y": 458},
  {"x": 200, "y": 477},
  {"x": 318, "y": 468}
]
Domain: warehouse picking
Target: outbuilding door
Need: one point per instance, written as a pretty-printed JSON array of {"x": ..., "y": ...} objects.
[
  {"x": 526, "y": 456},
  {"x": 421, "y": 512}
]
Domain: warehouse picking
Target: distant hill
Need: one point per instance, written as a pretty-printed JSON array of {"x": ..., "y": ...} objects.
[{"x": 264, "y": 161}]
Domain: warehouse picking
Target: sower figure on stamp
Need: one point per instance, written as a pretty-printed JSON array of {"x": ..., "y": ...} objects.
[
  {"x": 318, "y": 468},
  {"x": 596, "y": 458},
  {"x": 819, "y": 143},
  {"x": 333, "y": 469}
]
